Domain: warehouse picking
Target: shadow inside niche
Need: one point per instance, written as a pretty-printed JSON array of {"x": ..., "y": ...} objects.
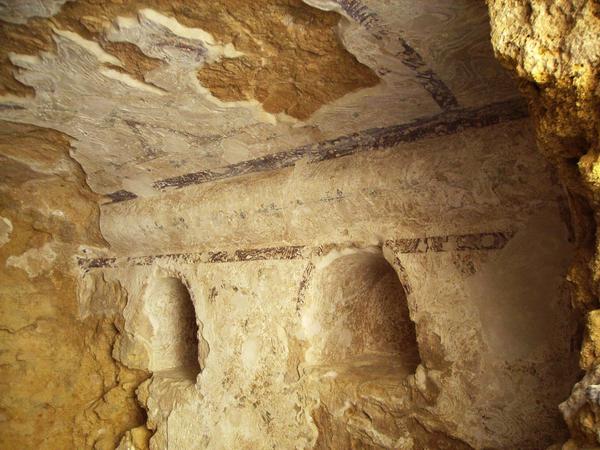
[
  {"x": 365, "y": 313},
  {"x": 174, "y": 336}
]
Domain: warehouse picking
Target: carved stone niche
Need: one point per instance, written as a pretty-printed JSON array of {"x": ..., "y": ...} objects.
[{"x": 361, "y": 308}]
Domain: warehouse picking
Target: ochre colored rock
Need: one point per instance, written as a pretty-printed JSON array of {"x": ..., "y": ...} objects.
[
  {"x": 59, "y": 386},
  {"x": 590, "y": 349},
  {"x": 554, "y": 48}
]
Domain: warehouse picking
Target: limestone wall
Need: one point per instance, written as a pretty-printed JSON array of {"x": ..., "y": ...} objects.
[{"x": 473, "y": 227}]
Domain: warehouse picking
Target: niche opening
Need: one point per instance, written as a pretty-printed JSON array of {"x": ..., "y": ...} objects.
[
  {"x": 174, "y": 338},
  {"x": 365, "y": 315}
]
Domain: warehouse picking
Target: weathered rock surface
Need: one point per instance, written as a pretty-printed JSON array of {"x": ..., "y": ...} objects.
[
  {"x": 281, "y": 41},
  {"x": 59, "y": 386},
  {"x": 554, "y": 47}
]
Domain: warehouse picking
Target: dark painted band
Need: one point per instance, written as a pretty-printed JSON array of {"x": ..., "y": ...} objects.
[
  {"x": 446, "y": 123},
  {"x": 433, "y": 244}
]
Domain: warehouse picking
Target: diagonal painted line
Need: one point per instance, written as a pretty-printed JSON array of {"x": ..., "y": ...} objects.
[
  {"x": 446, "y": 123},
  {"x": 426, "y": 77}
]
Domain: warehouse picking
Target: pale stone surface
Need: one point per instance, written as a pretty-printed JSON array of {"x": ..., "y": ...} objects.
[
  {"x": 438, "y": 186},
  {"x": 269, "y": 367},
  {"x": 18, "y": 11},
  {"x": 34, "y": 261}
]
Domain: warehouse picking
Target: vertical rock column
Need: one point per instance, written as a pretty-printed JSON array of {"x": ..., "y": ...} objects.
[{"x": 554, "y": 49}]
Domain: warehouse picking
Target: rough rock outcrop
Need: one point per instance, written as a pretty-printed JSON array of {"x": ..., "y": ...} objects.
[
  {"x": 59, "y": 385},
  {"x": 554, "y": 48}
]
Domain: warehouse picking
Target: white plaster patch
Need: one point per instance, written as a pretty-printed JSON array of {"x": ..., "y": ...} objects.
[
  {"x": 165, "y": 38},
  {"x": 129, "y": 81},
  {"x": 310, "y": 325},
  {"x": 35, "y": 261},
  {"x": 176, "y": 28},
  {"x": 180, "y": 30},
  {"x": 6, "y": 228},
  {"x": 24, "y": 61},
  {"x": 326, "y": 5},
  {"x": 91, "y": 46}
]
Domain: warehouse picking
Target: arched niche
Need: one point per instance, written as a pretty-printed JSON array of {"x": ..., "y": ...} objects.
[
  {"x": 173, "y": 340},
  {"x": 360, "y": 314}
]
